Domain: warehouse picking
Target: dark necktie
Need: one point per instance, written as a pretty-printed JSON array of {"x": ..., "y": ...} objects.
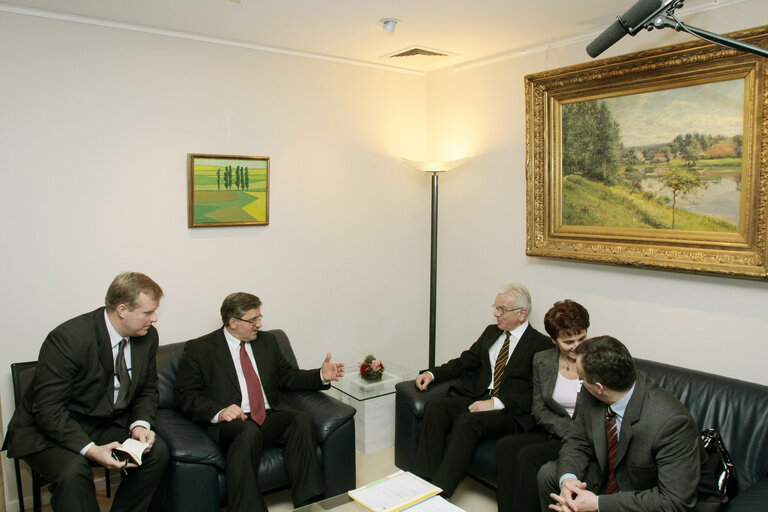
[
  {"x": 611, "y": 487},
  {"x": 255, "y": 395},
  {"x": 501, "y": 362},
  {"x": 123, "y": 377}
]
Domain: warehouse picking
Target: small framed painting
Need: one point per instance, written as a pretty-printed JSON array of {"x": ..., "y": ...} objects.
[{"x": 227, "y": 190}]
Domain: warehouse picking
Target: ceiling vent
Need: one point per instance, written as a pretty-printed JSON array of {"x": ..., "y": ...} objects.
[{"x": 419, "y": 57}]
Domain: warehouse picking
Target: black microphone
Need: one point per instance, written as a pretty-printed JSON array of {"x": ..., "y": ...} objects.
[{"x": 636, "y": 14}]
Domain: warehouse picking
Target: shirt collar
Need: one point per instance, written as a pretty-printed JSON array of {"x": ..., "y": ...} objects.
[
  {"x": 231, "y": 340},
  {"x": 518, "y": 331},
  {"x": 114, "y": 336},
  {"x": 620, "y": 407}
]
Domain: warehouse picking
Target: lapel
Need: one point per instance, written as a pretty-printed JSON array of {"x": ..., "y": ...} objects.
[
  {"x": 105, "y": 354},
  {"x": 139, "y": 350},
  {"x": 486, "y": 346},
  {"x": 548, "y": 369},
  {"x": 224, "y": 359},
  {"x": 631, "y": 416},
  {"x": 599, "y": 437},
  {"x": 518, "y": 354},
  {"x": 262, "y": 356}
]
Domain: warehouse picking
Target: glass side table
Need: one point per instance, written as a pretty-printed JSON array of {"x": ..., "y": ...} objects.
[
  {"x": 374, "y": 402},
  {"x": 340, "y": 503}
]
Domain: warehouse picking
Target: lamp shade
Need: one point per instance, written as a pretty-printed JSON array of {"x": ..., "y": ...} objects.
[{"x": 436, "y": 166}]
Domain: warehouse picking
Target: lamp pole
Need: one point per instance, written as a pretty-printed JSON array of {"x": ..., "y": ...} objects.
[
  {"x": 433, "y": 275},
  {"x": 434, "y": 168}
]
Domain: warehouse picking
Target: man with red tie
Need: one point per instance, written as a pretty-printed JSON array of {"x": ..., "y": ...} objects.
[
  {"x": 633, "y": 445},
  {"x": 229, "y": 381}
]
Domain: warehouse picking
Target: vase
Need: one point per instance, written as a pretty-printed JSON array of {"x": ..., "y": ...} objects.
[{"x": 372, "y": 376}]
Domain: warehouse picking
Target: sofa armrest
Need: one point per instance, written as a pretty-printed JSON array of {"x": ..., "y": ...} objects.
[
  {"x": 748, "y": 500},
  {"x": 415, "y": 399},
  {"x": 187, "y": 441},
  {"x": 409, "y": 409},
  {"x": 335, "y": 433},
  {"x": 329, "y": 413}
]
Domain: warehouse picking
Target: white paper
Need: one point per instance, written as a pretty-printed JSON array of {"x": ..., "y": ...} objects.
[{"x": 434, "y": 504}]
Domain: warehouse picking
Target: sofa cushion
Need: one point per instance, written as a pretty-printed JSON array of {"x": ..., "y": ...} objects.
[
  {"x": 188, "y": 442},
  {"x": 735, "y": 408}
]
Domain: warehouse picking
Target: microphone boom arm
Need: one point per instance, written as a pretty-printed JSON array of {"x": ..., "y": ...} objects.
[
  {"x": 664, "y": 17},
  {"x": 672, "y": 22}
]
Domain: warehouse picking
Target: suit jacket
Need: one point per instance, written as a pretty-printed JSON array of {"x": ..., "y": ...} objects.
[
  {"x": 206, "y": 380},
  {"x": 73, "y": 388},
  {"x": 660, "y": 462},
  {"x": 546, "y": 410},
  {"x": 474, "y": 365}
]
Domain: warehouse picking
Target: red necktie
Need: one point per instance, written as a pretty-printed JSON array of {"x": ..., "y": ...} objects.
[
  {"x": 255, "y": 396},
  {"x": 611, "y": 487}
]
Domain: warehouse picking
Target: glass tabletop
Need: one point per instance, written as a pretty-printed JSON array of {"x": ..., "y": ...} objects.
[
  {"x": 353, "y": 384},
  {"x": 339, "y": 503}
]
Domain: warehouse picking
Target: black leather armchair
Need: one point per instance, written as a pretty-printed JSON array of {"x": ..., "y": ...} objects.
[
  {"x": 735, "y": 408},
  {"x": 195, "y": 476}
]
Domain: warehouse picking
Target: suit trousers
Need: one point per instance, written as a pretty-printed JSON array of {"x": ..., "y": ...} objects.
[
  {"x": 70, "y": 476},
  {"x": 449, "y": 436},
  {"x": 518, "y": 459},
  {"x": 243, "y": 442}
]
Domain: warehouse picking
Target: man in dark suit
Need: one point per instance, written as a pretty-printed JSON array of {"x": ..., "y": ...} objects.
[
  {"x": 494, "y": 398},
  {"x": 633, "y": 445},
  {"x": 229, "y": 381},
  {"x": 95, "y": 385}
]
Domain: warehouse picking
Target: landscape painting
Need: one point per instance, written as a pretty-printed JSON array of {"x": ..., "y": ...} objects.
[
  {"x": 669, "y": 159},
  {"x": 653, "y": 159},
  {"x": 228, "y": 190}
]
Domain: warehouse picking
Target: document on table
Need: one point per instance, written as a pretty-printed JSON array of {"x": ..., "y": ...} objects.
[
  {"x": 435, "y": 504},
  {"x": 395, "y": 492}
]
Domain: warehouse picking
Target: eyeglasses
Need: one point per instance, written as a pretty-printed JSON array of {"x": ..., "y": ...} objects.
[
  {"x": 501, "y": 310},
  {"x": 254, "y": 321}
]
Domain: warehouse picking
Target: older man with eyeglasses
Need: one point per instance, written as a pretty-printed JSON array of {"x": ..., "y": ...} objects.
[
  {"x": 493, "y": 400},
  {"x": 228, "y": 381}
]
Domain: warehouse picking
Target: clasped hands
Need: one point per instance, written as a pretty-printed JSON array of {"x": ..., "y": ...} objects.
[
  {"x": 102, "y": 454},
  {"x": 574, "y": 497}
]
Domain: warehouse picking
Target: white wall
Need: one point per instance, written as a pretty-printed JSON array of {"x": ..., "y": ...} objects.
[
  {"x": 95, "y": 128},
  {"x": 709, "y": 323},
  {"x": 94, "y": 131}
]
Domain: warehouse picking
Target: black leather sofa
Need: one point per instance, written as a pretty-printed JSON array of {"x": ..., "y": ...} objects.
[
  {"x": 735, "y": 408},
  {"x": 195, "y": 476}
]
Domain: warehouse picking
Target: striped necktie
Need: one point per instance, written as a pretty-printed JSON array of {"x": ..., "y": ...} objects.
[
  {"x": 501, "y": 362},
  {"x": 611, "y": 487}
]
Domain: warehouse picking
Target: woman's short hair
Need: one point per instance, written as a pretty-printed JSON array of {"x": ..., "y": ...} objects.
[
  {"x": 126, "y": 288},
  {"x": 566, "y": 318},
  {"x": 236, "y": 304}
]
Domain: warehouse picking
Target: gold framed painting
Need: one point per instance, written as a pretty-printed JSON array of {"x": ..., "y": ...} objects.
[
  {"x": 227, "y": 190},
  {"x": 653, "y": 159}
]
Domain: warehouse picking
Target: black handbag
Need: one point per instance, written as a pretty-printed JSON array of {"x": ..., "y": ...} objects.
[{"x": 720, "y": 462}]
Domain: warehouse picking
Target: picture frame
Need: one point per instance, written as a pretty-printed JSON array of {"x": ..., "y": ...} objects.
[
  {"x": 627, "y": 158},
  {"x": 227, "y": 190}
]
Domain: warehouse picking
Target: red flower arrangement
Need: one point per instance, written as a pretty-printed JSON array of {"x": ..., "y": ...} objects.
[{"x": 371, "y": 368}]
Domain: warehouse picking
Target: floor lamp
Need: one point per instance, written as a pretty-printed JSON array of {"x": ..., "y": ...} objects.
[{"x": 434, "y": 168}]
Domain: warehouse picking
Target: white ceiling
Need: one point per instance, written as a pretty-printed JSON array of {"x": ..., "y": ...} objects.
[{"x": 468, "y": 30}]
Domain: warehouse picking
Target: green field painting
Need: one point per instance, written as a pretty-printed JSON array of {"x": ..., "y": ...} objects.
[
  {"x": 668, "y": 159},
  {"x": 228, "y": 191}
]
